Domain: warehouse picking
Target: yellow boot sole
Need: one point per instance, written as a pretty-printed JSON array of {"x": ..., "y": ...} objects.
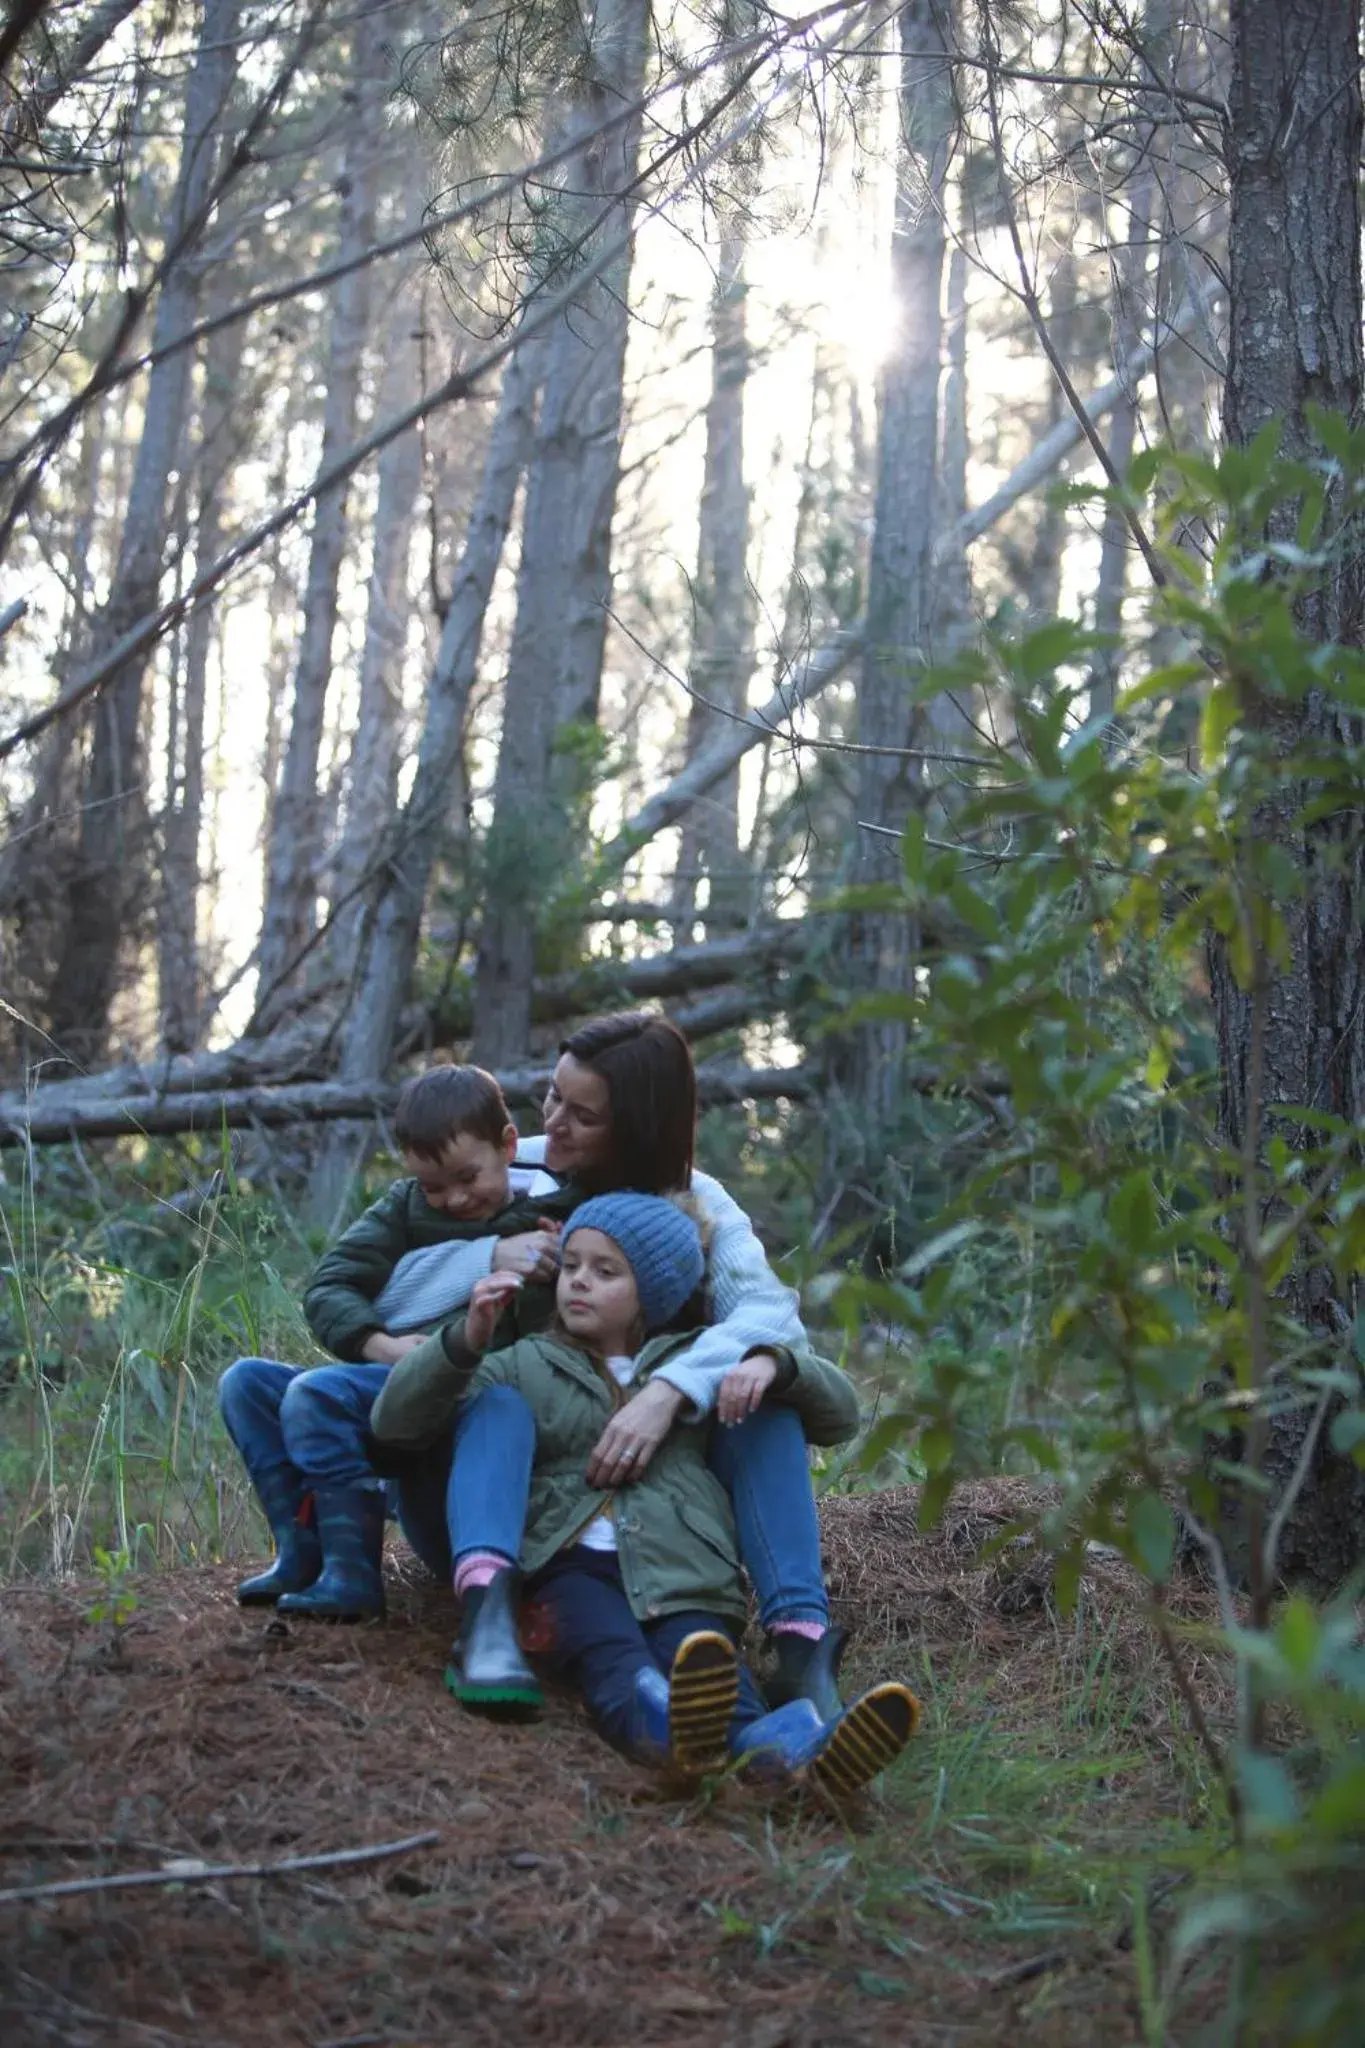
[
  {"x": 703, "y": 1688},
  {"x": 871, "y": 1735}
]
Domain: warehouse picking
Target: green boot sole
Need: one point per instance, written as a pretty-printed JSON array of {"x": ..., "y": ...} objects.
[{"x": 499, "y": 1702}]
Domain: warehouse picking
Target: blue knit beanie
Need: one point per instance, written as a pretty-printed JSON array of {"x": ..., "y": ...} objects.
[{"x": 661, "y": 1243}]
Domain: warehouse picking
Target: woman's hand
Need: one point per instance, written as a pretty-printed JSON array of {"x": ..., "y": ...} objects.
[
  {"x": 534, "y": 1255},
  {"x": 744, "y": 1386},
  {"x": 381, "y": 1349},
  {"x": 633, "y": 1435},
  {"x": 487, "y": 1302}
]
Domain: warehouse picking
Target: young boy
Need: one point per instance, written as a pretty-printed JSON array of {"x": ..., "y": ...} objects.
[
  {"x": 463, "y": 1183},
  {"x": 302, "y": 1432},
  {"x": 638, "y": 1586}
]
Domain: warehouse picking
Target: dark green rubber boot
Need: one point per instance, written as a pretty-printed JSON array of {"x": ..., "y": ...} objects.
[
  {"x": 808, "y": 1669},
  {"x": 298, "y": 1554},
  {"x": 488, "y": 1672},
  {"x": 350, "y": 1586}
]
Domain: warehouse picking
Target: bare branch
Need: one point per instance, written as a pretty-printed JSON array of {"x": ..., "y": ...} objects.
[{"x": 189, "y": 1870}]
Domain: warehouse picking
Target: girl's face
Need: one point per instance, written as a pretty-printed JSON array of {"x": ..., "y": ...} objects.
[
  {"x": 596, "y": 1296},
  {"x": 577, "y": 1116}
]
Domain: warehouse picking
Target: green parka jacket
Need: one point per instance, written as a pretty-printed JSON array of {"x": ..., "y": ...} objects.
[
  {"x": 674, "y": 1526},
  {"x": 339, "y": 1302}
]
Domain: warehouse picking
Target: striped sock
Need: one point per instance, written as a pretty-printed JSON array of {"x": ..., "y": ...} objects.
[
  {"x": 476, "y": 1568},
  {"x": 813, "y": 1630}
]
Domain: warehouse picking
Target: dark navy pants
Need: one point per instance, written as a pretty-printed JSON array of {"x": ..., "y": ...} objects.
[{"x": 592, "y": 1637}]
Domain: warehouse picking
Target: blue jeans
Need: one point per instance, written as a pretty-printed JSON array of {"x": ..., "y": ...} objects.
[
  {"x": 313, "y": 1424},
  {"x": 763, "y": 1466},
  {"x": 597, "y": 1642}
]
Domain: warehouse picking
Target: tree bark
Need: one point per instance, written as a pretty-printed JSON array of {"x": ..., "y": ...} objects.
[
  {"x": 372, "y": 772},
  {"x": 564, "y": 586},
  {"x": 401, "y": 886},
  {"x": 388, "y": 905},
  {"x": 1295, "y": 127},
  {"x": 722, "y": 632},
  {"x": 110, "y": 872},
  {"x": 1128, "y": 321},
  {"x": 178, "y": 914},
  {"x": 878, "y": 950},
  {"x": 294, "y": 855}
]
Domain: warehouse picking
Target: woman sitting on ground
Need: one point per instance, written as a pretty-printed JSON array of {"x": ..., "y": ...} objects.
[
  {"x": 637, "y": 1595},
  {"x": 621, "y": 1113}
]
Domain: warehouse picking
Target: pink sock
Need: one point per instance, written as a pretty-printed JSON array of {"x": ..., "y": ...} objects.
[
  {"x": 813, "y": 1629},
  {"x": 476, "y": 1568}
]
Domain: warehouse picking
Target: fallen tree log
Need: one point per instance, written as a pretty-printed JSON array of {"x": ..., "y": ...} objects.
[
  {"x": 301, "y": 1051},
  {"x": 39, "y": 1122},
  {"x": 42, "y": 1122}
]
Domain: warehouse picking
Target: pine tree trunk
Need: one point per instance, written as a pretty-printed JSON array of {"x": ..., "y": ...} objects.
[
  {"x": 879, "y": 947},
  {"x": 1295, "y": 128},
  {"x": 370, "y": 1023},
  {"x": 722, "y": 633},
  {"x": 109, "y": 879},
  {"x": 564, "y": 586},
  {"x": 297, "y": 827},
  {"x": 948, "y": 718},
  {"x": 178, "y": 915},
  {"x": 372, "y": 773},
  {"x": 1129, "y": 321}
]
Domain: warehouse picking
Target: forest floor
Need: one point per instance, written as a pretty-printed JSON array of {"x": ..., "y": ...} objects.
[{"x": 984, "y": 1894}]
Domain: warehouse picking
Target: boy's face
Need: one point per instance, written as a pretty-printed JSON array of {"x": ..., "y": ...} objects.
[
  {"x": 596, "y": 1294},
  {"x": 469, "y": 1180}
]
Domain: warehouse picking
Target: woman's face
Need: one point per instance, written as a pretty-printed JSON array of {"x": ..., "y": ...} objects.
[{"x": 577, "y": 1119}]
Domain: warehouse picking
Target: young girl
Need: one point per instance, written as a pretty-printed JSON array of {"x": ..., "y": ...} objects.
[{"x": 635, "y": 1581}]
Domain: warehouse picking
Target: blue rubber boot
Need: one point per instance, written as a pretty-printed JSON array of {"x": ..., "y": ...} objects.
[
  {"x": 351, "y": 1531},
  {"x": 298, "y": 1554},
  {"x": 783, "y": 1742},
  {"x": 841, "y": 1756},
  {"x": 648, "y": 1737},
  {"x": 683, "y": 1720}
]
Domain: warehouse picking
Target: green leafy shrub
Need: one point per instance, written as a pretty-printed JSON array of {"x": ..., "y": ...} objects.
[{"x": 1140, "y": 1349}]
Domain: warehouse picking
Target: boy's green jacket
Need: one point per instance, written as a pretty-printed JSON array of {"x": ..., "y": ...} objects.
[
  {"x": 674, "y": 1526},
  {"x": 339, "y": 1303}
]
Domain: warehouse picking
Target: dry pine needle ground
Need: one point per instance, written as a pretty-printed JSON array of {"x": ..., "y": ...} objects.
[{"x": 569, "y": 1897}]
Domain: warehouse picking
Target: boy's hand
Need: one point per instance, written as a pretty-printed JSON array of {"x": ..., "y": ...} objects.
[
  {"x": 744, "y": 1386},
  {"x": 534, "y": 1255},
  {"x": 633, "y": 1435},
  {"x": 491, "y": 1295},
  {"x": 381, "y": 1349}
]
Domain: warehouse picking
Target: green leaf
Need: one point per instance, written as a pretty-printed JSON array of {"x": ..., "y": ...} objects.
[
  {"x": 1066, "y": 1578},
  {"x": 938, "y": 1248},
  {"x": 1348, "y": 1434},
  {"x": 934, "y": 1498},
  {"x": 936, "y": 1448},
  {"x": 885, "y": 1434},
  {"x": 1298, "y": 1636},
  {"x": 1170, "y": 681},
  {"x": 1144, "y": 469},
  {"x": 1152, "y": 1527},
  {"x": 914, "y": 852},
  {"x": 1132, "y": 1212},
  {"x": 1220, "y": 716},
  {"x": 1267, "y": 1790}
]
